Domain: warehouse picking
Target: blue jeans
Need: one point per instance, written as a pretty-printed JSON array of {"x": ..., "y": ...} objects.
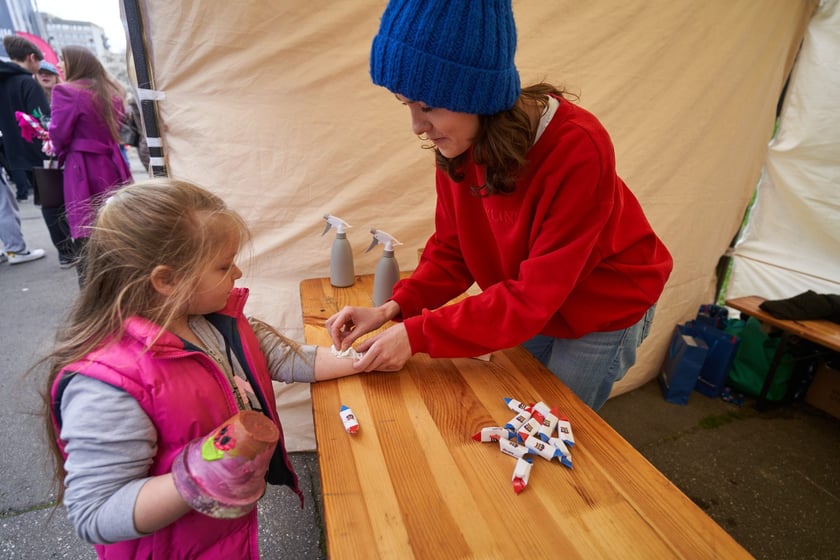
[{"x": 590, "y": 365}]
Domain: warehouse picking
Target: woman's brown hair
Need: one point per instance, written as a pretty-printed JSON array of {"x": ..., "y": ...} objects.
[
  {"x": 502, "y": 142},
  {"x": 83, "y": 69}
]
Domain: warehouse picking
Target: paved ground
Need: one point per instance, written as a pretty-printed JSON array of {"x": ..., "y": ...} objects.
[{"x": 770, "y": 480}]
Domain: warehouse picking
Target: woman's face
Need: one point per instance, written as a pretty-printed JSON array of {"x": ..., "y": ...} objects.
[{"x": 452, "y": 133}]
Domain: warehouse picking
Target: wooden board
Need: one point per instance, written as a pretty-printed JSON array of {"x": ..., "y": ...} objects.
[{"x": 823, "y": 332}]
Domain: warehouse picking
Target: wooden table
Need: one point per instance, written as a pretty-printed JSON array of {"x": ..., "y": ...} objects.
[
  {"x": 413, "y": 484},
  {"x": 820, "y": 331}
]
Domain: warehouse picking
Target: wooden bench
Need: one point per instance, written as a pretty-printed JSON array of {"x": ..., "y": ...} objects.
[{"x": 819, "y": 331}]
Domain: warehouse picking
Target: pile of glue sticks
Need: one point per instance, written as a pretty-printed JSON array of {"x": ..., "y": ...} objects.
[{"x": 536, "y": 429}]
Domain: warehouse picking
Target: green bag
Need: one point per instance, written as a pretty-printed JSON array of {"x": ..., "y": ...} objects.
[{"x": 753, "y": 359}]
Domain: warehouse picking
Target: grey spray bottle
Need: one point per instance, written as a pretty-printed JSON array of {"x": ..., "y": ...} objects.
[
  {"x": 342, "y": 271},
  {"x": 387, "y": 270}
]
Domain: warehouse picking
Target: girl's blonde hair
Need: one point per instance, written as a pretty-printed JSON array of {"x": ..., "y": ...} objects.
[
  {"x": 141, "y": 226},
  {"x": 84, "y": 70}
]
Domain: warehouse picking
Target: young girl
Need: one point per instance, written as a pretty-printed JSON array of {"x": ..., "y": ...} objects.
[
  {"x": 157, "y": 353},
  {"x": 87, "y": 110}
]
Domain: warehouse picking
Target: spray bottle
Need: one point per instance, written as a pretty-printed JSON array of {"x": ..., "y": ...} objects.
[
  {"x": 342, "y": 273},
  {"x": 387, "y": 271}
]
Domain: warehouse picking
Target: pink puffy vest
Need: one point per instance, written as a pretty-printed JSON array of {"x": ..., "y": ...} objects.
[{"x": 186, "y": 395}]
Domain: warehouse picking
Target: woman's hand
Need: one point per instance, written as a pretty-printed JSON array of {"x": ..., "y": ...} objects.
[
  {"x": 386, "y": 351},
  {"x": 346, "y": 326}
]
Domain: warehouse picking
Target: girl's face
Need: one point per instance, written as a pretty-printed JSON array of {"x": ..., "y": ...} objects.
[
  {"x": 47, "y": 79},
  {"x": 452, "y": 133},
  {"x": 211, "y": 293}
]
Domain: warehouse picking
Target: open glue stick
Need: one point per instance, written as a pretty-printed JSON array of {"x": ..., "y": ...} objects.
[
  {"x": 349, "y": 420},
  {"x": 521, "y": 473}
]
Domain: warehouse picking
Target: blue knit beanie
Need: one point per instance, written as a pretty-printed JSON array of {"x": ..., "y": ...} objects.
[{"x": 452, "y": 54}]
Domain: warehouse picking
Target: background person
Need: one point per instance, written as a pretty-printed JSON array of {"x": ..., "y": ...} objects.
[
  {"x": 56, "y": 218},
  {"x": 529, "y": 206},
  {"x": 18, "y": 92},
  {"x": 132, "y": 132},
  {"x": 14, "y": 246},
  {"x": 47, "y": 76},
  {"x": 87, "y": 111}
]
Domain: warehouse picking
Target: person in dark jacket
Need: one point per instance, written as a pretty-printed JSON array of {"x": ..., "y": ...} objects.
[
  {"x": 20, "y": 91},
  {"x": 14, "y": 92}
]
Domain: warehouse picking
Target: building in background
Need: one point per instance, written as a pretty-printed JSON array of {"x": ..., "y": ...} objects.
[
  {"x": 22, "y": 16},
  {"x": 50, "y": 33},
  {"x": 19, "y": 16},
  {"x": 61, "y": 32}
]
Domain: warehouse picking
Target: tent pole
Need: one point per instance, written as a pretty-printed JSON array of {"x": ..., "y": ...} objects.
[{"x": 145, "y": 82}]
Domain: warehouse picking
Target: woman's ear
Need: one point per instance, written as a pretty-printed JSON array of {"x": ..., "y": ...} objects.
[{"x": 163, "y": 279}]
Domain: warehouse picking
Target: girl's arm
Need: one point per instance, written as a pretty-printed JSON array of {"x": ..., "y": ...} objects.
[
  {"x": 290, "y": 362},
  {"x": 109, "y": 496},
  {"x": 327, "y": 366},
  {"x": 158, "y": 504}
]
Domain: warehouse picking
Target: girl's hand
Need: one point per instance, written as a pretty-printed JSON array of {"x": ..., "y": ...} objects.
[{"x": 220, "y": 488}]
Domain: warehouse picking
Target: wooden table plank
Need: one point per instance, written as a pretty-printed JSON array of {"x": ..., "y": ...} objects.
[
  {"x": 413, "y": 484},
  {"x": 822, "y": 331}
]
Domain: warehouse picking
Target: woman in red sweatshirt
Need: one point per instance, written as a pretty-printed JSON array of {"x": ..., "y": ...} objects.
[{"x": 529, "y": 207}]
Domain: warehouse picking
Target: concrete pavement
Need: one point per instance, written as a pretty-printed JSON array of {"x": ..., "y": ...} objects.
[
  {"x": 36, "y": 295},
  {"x": 768, "y": 479}
]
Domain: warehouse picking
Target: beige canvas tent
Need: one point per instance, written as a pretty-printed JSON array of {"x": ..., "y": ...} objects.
[
  {"x": 270, "y": 105},
  {"x": 792, "y": 241}
]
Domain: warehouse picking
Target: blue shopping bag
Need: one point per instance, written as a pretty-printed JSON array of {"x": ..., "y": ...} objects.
[
  {"x": 682, "y": 365},
  {"x": 722, "y": 348},
  {"x": 712, "y": 315}
]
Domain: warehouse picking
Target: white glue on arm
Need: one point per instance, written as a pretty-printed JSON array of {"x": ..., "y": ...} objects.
[
  {"x": 387, "y": 270},
  {"x": 342, "y": 272}
]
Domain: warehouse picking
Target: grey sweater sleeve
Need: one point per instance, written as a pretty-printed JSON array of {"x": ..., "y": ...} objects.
[
  {"x": 287, "y": 361},
  {"x": 111, "y": 443}
]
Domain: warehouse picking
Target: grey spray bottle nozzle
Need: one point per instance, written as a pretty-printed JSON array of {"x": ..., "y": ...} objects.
[
  {"x": 383, "y": 237},
  {"x": 335, "y": 221}
]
